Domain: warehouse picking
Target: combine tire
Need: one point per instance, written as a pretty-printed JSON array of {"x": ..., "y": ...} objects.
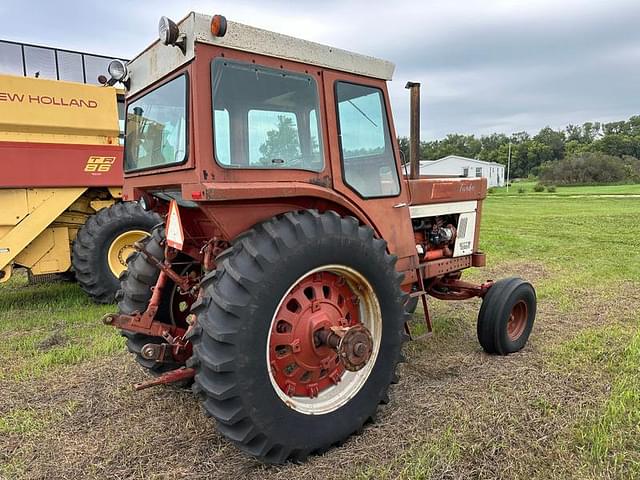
[
  {"x": 103, "y": 244},
  {"x": 506, "y": 316},
  {"x": 273, "y": 389},
  {"x": 135, "y": 292}
]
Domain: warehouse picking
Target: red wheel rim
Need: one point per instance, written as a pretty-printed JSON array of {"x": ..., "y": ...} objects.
[
  {"x": 299, "y": 365},
  {"x": 517, "y": 320}
]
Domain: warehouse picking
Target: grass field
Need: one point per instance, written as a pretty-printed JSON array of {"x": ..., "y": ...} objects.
[
  {"x": 567, "y": 406},
  {"x": 613, "y": 190}
]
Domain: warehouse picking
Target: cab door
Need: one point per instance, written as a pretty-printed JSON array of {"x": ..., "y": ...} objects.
[{"x": 365, "y": 160}]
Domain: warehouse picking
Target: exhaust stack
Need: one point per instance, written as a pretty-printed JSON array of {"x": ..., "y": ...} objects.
[{"x": 414, "y": 130}]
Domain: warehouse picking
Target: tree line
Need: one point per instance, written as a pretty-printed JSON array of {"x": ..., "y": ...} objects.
[{"x": 594, "y": 148}]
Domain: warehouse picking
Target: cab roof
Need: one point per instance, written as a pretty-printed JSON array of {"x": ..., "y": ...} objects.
[{"x": 159, "y": 60}]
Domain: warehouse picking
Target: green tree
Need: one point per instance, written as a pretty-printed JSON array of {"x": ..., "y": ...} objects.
[
  {"x": 494, "y": 148},
  {"x": 554, "y": 140},
  {"x": 452, "y": 144},
  {"x": 548, "y": 146},
  {"x": 590, "y": 168},
  {"x": 403, "y": 143},
  {"x": 537, "y": 154},
  {"x": 282, "y": 144}
]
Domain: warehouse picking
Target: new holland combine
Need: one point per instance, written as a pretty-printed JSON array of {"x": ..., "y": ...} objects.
[
  {"x": 293, "y": 241},
  {"x": 61, "y": 184}
]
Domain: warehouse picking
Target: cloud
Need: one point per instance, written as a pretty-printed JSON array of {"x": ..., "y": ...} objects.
[{"x": 504, "y": 65}]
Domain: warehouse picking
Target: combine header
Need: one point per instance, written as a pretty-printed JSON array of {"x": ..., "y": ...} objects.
[{"x": 293, "y": 243}]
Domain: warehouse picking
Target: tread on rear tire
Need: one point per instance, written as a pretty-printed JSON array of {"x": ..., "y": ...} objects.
[{"x": 234, "y": 312}]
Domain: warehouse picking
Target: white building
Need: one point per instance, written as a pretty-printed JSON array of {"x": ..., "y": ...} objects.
[{"x": 456, "y": 166}]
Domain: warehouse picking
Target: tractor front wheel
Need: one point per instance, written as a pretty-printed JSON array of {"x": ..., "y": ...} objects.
[
  {"x": 103, "y": 244},
  {"x": 299, "y": 331},
  {"x": 506, "y": 316}
]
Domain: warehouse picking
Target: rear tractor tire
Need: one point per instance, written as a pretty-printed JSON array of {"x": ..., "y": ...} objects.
[
  {"x": 506, "y": 317},
  {"x": 136, "y": 285},
  {"x": 274, "y": 388},
  {"x": 103, "y": 244}
]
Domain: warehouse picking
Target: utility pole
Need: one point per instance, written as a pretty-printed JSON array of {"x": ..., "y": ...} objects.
[{"x": 509, "y": 167}]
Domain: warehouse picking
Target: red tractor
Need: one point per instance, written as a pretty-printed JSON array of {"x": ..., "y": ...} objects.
[{"x": 294, "y": 244}]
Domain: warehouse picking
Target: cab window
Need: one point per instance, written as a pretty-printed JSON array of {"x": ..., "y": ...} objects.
[
  {"x": 156, "y": 127},
  {"x": 368, "y": 161},
  {"x": 265, "y": 118}
]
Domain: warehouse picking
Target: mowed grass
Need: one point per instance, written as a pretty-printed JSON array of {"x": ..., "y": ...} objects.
[
  {"x": 580, "y": 392},
  {"x": 48, "y": 326},
  {"x": 609, "y": 437},
  {"x": 565, "y": 236},
  {"x": 589, "y": 243},
  {"x": 570, "y": 190},
  {"x": 27, "y": 421}
]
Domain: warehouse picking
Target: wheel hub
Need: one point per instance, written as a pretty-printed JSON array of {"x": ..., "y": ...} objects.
[
  {"x": 317, "y": 335},
  {"x": 517, "y": 321},
  {"x": 353, "y": 344},
  {"x": 120, "y": 249}
]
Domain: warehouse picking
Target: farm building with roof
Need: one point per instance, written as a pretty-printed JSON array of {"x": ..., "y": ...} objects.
[{"x": 457, "y": 166}]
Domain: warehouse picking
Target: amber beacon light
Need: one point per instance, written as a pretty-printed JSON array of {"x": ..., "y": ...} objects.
[{"x": 218, "y": 25}]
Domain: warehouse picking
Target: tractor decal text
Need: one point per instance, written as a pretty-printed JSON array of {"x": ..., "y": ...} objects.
[
  {"x": 99, "y": 164},
  {"x": 47, "y": 100}
]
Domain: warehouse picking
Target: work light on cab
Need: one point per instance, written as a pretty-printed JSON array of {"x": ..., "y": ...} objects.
[
  {"x": 169, "y": 34},
  {"x": 117, "y": 70}
]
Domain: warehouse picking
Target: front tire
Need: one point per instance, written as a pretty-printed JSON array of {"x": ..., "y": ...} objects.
[
  {"x": 238, "y": 374},
  {"x": 103, "y": 244},
  {"x": 506, "y": 317}
]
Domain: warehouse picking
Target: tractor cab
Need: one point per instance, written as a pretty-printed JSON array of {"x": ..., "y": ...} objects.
[{"x": 220, "y": 111}]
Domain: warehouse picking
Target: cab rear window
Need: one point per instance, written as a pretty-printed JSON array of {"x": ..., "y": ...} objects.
[{"x": 265, "y": 118}]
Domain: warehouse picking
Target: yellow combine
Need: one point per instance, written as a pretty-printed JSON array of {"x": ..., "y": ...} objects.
[{"x": 60, "y": 187}]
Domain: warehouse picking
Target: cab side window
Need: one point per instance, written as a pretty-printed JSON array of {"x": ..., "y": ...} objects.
[{"x": 368, "y": 161}]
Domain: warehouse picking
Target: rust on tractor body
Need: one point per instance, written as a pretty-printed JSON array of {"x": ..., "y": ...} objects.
[{"x": 239, "y": 202}]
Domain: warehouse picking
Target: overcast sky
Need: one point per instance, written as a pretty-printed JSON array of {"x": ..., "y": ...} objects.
[{"x": 485, "y": 66}]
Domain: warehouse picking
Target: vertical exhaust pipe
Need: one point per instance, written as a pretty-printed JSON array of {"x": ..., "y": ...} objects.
[{"x": 414, "y": 130}]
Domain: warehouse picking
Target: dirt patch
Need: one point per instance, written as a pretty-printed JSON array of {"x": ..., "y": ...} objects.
[
  {"x": 533, "y": 272},
  {"x": 55, "y": 339},
  {"x": 506, "y": 417}
]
